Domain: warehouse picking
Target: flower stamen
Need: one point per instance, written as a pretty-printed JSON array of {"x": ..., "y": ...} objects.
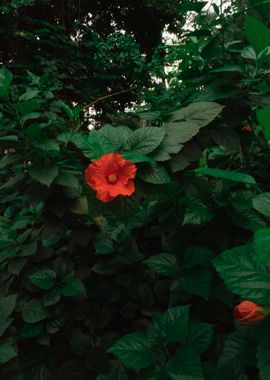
[{"x": 112, "y": 178}]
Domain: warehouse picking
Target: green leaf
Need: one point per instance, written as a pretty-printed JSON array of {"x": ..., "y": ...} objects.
[
  {"x": 51, "y": 297},
  {"x": 31, "y": 330},
  {"x": 133, "y": 350},
  {"x": 199, "y": 287},
  {"x": 257, "y": 33},
  {"x": 5, "y": 325},
  {"x": 68, "y": 179},
  {"x": 146, "y": 139},
  {"x": 117, "y": 136},
  {"x": 72, "y": 287},
  {"x": 185, "y": 365},
  {"x": 261, "y": 203},
  {"x": 29, "y": 94},
  {"x": 156, "y": 175},
  {"x": 183, "y": 125},
  {"x": 33, "y": 311},
  {"x": 43, "y": 279},
  {"x": 241, "y": 273},
  {"x": 249, "y": 53},
  {"x": 170, "y": 326},
  {"x": 200, "y": 113},
  {"x": 94, "y": 145},
  {"x": 199, "y": 336},
  {"x": 263, "y": 116},
  {"x": 162, "y": 263},
  {"x": 47, "y": 145},
  {"x": 198, "y": 213},
  {"x": 263, "y": 350},
  {"x": 137, "y": 157},
  {"x": 196, "y": 255},
  {"x": 27, "y": 107},
  {"x": 7, "y": 305},
  {"x": 225, "y": 174},
  {"x": 261, "y": 245},
  {"x": 5, "y": 81},
  {"x": 44, "y": 174},
  {"x": 7, "y": 351}
]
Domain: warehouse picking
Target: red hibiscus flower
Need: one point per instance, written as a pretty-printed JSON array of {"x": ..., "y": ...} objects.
[
  {"x": 248, "y": 312},
  {"x": 111, "y": 175}
]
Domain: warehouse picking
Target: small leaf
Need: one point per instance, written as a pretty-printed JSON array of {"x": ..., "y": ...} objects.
[
  {"x": 43, "y": 279},
  {"x": 31, "y": 330},
  {"x": 72, "y": 287},
  {"x": 29, "y": 94},
  {"x": 7, "y": 351},
  {"x": 133, "y": 350},
  {"x": 162, "y": 263},
  {"x": 7, "y": 305},
  {"x": 33, "y": 311}
]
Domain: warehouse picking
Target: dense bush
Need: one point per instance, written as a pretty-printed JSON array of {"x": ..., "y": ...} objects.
[{"x": 146, "y": 285}]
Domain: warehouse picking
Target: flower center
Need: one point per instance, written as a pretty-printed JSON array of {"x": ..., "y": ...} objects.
[{"x": 112, "y": 178}]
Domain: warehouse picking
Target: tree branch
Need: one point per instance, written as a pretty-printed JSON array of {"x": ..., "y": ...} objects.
[{"x": 105, "y": 97}]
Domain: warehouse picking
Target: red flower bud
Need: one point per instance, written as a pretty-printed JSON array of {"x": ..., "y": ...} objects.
[
  {"x": 248, "y": 312},
  {"x": 247, "y": 128}
]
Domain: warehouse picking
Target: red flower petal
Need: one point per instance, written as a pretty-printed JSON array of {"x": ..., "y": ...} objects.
[{"x": 111, "y": 165}]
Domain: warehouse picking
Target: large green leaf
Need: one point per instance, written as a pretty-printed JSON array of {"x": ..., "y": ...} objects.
[
  {"x": 241, "y": 273},
  {"x": 155, "y": 174},
  {"x": 133, "y": 350},
  {"x": 33, "y": 311},
  {"x": 145, "y": 140},
  {"x": 257, "y": 33},
  {"x": 199, "y": 336},
  {"x": 44, "y": 174},
  {"x": 44, "y": 279},
  {"x": 162, "y": 263},
  {"x": 183, "y": 125},
  {"x": 137, "y": 157},
  {"x": 261, "y": 245},
  {"x": 117, "y": 136},
  {"x": 225, "y": 174},
  {"x": 185, "y": 364},
  {"x": 94, "y": 145}
]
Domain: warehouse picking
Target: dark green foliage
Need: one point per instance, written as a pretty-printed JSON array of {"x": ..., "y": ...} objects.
[{"x": 142, "y": 287}]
